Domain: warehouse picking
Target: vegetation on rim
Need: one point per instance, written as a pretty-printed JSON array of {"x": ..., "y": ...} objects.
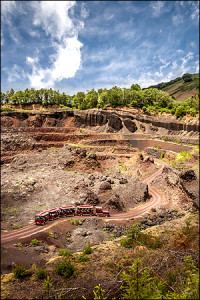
[{"x": 149, "y": 99}]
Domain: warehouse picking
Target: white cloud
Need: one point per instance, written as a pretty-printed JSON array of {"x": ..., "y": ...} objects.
[
  {"x": 174, "y": 65},
  {"x": 63, "y": 33},
  {"x": 67, "y": 61},
  {"x": 84, "y": 11},
  {"x": 34, "y": 33},
  {"x": 181, "y": 3},
  {"x": 177, "y": 19},
  {"x": 157, "y": 7},
  {"x": 195, "y": 10},
  {"x": 193, "y": 44},
  {"x": 53, "y": 17},
  {"x": 15, "y": 73},
  {"x": 179, "y": 51},
  {"x": 7, "y": 8}
]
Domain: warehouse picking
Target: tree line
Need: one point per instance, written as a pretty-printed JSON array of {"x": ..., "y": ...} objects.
[{"x": 150, "y": 99}]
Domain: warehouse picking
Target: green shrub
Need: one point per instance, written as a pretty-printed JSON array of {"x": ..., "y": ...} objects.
[
  {"x": 139, "y": 284},
  {"x": 148, "y": 240},
  {"x": 65, "y": 252},
  {"x": 41, "y": 273},
  {"x": 144, "y": 108},
  {"x": 180, "y": 111},
  {"x": 34, "y": 242},
  {"x": 18, "y": 245},
  {"x": 127, "y": 243},
  {"x": 163, "y": 154},
  {"x": 87, "y": 249},
  {"x": 65, "y": 268},
  {"x": 171, "y": 277},
  {"x": 82, "y": 258},
  {"x": 133, "y": 231},
  {"x": 48, "y": 286},
  {"x": 75, "y": 222},
  {"x": 19, "y": 271},
  {"x": 134, "y": 236}
]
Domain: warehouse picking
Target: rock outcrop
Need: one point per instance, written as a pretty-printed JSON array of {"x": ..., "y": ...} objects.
[{"x": 115, "y": 120}]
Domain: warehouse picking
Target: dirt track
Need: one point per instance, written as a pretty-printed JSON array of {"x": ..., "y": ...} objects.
[{"x": 156, "y": 198}]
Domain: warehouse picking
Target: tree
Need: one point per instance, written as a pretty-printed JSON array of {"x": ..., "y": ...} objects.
[
  {"x": 78, "y": 99},
  {"x": 187, "y": 77},
  {"x": 139, "y": 284},
  {"x": 115, "y": 96},
  {"x": 91, "y": 99},
  {"x": 135, "y": 87}
]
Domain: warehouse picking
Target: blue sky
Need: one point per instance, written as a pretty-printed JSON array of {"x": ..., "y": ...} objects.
[{"x": 75, "y": 46}]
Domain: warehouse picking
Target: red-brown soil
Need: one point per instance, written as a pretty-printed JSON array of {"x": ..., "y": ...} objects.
[{"x": 52, "y": 166}]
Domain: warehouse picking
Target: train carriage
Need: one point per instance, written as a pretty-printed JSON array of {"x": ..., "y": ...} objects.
[
  {"x": 42, "y": 218},
  {"x": 85, "y": 210},
  {"x": 67, "y": 211},
  {"x": 54, "y": 214},
  {"x": 100, "y": 212},
  {"x": 64, "y": 211}
]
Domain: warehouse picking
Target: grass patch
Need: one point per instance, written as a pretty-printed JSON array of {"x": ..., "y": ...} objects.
[{"x": 87, "y": 249}]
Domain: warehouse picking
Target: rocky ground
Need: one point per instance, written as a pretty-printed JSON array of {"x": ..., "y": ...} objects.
[{"x": 46, "y": 167}]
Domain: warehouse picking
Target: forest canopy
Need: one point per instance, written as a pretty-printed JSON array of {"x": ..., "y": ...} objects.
[{"x": 150, "y": 99}]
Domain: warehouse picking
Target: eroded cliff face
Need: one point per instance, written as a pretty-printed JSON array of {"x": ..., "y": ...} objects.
[
  {"x": 97, "y": 117},
  {"x": 109, "y": 121}
]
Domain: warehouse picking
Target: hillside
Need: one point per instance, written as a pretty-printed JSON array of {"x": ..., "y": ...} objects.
[
  {"x": 143, "y": 170},
  {"x": 180, "y": 89}
]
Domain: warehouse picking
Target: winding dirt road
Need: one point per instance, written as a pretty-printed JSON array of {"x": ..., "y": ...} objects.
[{"x": 156, "y": 198}]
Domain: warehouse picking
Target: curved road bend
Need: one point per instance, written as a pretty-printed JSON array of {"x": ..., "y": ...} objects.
[{"x": 156, "y": 198}]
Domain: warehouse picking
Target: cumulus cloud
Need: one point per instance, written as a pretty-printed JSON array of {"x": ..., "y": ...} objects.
[
  {"x": 54, "y": 19},
  {"x": 67, "y": 61}
]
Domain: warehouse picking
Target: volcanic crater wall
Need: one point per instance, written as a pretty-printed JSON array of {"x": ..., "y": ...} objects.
[{"x": 112, "y": 120}]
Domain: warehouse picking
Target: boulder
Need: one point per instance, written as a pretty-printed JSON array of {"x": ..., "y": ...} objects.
[
  {"x": 123, "y": 181},
  {"x": 105, "y": 186},
  {"x": 188, "y": 175}
]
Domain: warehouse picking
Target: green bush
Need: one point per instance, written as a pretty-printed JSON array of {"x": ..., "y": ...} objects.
[
  {"x": 34, "y": 242},
  {"x": 19, "y": 271},
  {"x": 133, "y": 231},
  {"x": 180, "y": 111},
  {"x": 41, "y": 273},
  {"x": 82, "y": 258},
  {"x": 75, "y": 222},
  {"x": 65, "y": 268},
  {"x": 87, "y": 249},
  {"x": 148, "y": 240},
  {"x": 134, "y": 236},
  {"x": 140, "y": 285},
  {"x": 162, "y": 154},
  {"x": 127, "y": 243},
  {"x": 65, "y": 252}
]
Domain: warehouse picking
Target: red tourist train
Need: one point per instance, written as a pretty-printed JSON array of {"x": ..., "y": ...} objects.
[{"x": 65, "y": 211}]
